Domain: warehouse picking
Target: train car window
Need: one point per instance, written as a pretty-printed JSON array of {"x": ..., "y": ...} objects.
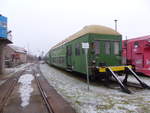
[
  {"x": 116, "y": 48},
  {"x": 59, "y": 60},
  {"x": 69, "y": 50},
  {"x": 63, "y": 60},
  {"x": 83, "y": 52},
  {"x": 136, "y": 44},
  {"x": 107, "y": 47},
  {"x": 77, "y": 49},
  {"x": 96, "y": 47}
]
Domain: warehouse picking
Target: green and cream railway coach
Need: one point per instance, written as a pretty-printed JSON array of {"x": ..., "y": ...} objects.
[
  {"x": 104, "y": 50},
  {"x": 104, "y": 55}
]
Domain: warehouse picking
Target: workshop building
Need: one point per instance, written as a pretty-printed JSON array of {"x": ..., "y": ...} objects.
[{"x": 14, "y": 55}]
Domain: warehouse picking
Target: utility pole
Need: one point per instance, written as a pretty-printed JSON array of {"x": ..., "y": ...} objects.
[{"x": 115, "y": 25}]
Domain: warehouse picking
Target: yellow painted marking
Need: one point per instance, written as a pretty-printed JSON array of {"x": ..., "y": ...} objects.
[{"x": 113, "y": 68}]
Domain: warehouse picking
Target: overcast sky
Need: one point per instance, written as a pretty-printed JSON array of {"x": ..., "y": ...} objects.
[{"x": 38, "y": 25}]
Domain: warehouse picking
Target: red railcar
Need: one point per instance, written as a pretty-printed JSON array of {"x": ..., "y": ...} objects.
[{"x": 136, "y": 52}]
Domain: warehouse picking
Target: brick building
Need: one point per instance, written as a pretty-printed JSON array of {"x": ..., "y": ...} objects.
[{"x": 14, "y": 55}]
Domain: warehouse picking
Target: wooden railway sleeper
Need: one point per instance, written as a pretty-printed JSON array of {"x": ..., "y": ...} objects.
[{"x": 129, "y": 70}]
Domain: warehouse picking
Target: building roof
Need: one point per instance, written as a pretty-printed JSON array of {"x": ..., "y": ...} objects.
[
  {"x": 95, "y": 29},
  {"x": 17, "y": 49}
]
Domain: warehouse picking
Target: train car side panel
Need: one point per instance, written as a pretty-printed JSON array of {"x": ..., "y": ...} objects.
[
  {"x": 78, "y": 54},
  {"x": 104, "y": 47},
  {"x": 58, "y": 57},
  {"x": 136, "y": 52}
]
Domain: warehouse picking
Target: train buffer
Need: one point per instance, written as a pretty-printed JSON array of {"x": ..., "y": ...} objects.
[{"x": 115, "y": 71}]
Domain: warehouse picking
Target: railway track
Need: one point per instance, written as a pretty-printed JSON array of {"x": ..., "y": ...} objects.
[
  {"x": 53, "y": 101},
  {"x": 43, "y": 98},
  {"x": 8, "y": 88}
]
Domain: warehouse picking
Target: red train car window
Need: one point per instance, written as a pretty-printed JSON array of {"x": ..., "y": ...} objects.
[{"x": 136, "y": 44}]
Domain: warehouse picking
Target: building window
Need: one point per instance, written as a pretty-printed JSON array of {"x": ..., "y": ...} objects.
[
  {"x": 107, "y": 47},
  {"x": 96, "y": 47},
  {"x": 116, "y": 48}
]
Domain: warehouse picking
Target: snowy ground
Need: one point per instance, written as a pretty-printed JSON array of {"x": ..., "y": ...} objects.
[
  {"x": 11, "y": 71},
  {"x": 99, "y": 99},
  {"x": 25, "y": 88}
]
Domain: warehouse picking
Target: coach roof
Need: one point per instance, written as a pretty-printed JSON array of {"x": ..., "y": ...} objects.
[{"x": 93, "y": 29}]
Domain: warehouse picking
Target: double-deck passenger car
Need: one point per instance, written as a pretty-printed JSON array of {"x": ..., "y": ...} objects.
[
  {"x": 104, "y": 55},
  {"x": 105, "y": 50}
]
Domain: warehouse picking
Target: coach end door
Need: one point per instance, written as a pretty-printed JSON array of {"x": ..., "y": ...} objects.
[{"x": 68, "y": 56}]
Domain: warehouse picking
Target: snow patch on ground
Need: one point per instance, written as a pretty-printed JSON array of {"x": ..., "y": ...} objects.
[
  {"x": 11, "y": 71},
  {"x": 99, "y": 99},
  {"x": 25, "y": 88},
  {"x": 38, "y": 75},
  {"x": 88, "y": 109},
  {"x": 2, "y": 82}
]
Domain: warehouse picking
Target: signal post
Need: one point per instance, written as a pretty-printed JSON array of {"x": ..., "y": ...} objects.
[{"x": 85, "y": 46}]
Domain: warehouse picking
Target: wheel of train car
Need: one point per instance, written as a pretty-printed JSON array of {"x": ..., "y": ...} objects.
[{"x": 92, "y": 78}]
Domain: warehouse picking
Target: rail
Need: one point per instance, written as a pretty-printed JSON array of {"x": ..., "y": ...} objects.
[
  {"x": 44, "y": 96},
  {"x": 11, "y": 84},
  {"x": 54, "y": 101}
]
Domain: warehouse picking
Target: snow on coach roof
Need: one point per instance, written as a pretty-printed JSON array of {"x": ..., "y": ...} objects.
[{"x": 96, "y": 29}]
